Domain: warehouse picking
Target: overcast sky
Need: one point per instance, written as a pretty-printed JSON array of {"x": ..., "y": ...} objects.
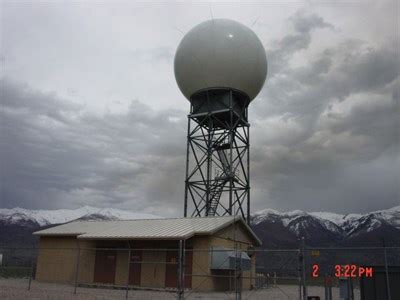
[{"x": 91, "y": 113}]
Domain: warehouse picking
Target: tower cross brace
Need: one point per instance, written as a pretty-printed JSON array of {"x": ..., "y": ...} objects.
[{"x": 217, "y": 159}]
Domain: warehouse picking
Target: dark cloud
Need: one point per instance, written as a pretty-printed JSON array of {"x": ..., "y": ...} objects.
[
  {"x": 303, "y": 26},
  {"x": 327, "y": 131},
  {"x": 325, "y": 134},
  {"x": 304, "y": 23},
  {"x": 54, "y": 154}
]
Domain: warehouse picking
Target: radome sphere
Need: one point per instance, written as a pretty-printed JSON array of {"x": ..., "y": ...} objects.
[{"x": 220, "y": 53}]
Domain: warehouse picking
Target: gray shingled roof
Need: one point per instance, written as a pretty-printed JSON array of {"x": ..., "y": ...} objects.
[{"x": 182, "y": 228}]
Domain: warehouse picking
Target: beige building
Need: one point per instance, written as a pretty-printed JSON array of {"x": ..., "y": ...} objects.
[{"x": 145, "y": 253}]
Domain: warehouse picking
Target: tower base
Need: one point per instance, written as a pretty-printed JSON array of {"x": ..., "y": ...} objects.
[{"x": 217, "y": 169}]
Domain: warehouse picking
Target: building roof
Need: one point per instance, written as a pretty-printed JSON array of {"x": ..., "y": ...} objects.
[{"x": 171, "y": 229}]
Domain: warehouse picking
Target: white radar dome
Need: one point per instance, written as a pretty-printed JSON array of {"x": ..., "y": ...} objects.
[{"x": 220, "y": 53}]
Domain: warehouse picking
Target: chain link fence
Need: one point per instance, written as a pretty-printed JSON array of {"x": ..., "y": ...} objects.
[{"x": 179, "y": 273}]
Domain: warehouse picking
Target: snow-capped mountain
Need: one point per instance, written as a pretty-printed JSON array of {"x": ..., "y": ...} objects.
[
  {"x": 17, "y": 224},
  {"x": 48, "y": 217},
  {"x": 347, "y": 224},
  {"x": 275, "y": 229},
  {"x": 325, "y": 228}
]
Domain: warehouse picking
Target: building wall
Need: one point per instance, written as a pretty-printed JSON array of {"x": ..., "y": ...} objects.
[
  {"x": 122, "y": 270},
  {"x": 229, "y": 235},
  {"x": 234, "y": 232},
  {"x": 57, "y": 260},
  {"x": 86, "y": 261},
  {"x": 56, "y": 264},
  {"x": 152, "y": 273},
  {"x": 201, "y": 279},
  {"x": 153, "y": 269},
  {"x": 202, "y": 259}
]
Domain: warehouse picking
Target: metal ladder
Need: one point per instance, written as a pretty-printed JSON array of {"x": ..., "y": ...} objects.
[
  {"x": 219, "y": 181},
  {"x": 215, "y": 196}
]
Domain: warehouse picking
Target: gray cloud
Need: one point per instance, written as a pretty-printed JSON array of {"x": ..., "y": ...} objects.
[
  {"x": 327, "y": 134},
  {"x": 303, "y": 26},
  {"x": 304, "y": 23},
  {"x": 55, "y": 154},
  {"x": 325, "y": 128}
]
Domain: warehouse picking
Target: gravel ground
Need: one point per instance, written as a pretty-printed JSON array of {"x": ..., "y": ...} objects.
[{"x": 18, "y": 289}]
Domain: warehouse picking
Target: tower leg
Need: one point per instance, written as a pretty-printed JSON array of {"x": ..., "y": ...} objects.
[{"x": 217, "y": 179}]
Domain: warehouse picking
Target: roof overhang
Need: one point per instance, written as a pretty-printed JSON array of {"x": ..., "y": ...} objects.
[{"x": 85, "y": 234}]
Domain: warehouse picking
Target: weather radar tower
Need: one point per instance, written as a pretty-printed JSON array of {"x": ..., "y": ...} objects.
[{"x": 220, "y": 67}]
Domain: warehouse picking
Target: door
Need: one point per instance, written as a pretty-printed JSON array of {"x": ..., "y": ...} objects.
[
  {"x": 104, "y": 268},
  {"x": 135, "y": 267},
  {"x": 171, "y": 270}
]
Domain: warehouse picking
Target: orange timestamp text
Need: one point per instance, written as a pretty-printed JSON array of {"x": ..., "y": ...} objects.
[{"x": 346, "y": 271}]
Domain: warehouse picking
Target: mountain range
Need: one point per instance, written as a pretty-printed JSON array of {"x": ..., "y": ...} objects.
[
  {"x": 275, "y": 229},
  {"x": 18, "y": 224},
  {"x": 20, "y": 216},
  {"x": 280, "y": 230}
]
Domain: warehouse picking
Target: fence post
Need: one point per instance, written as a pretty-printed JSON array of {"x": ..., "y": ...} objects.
[
  {"x": 77, "y": 267},
  {"x": 183, "y": 268},
  {"x": 128, "y": 272},
  {"x": 328, "y": 287},
  {"x": 180, "y": 294},
  {"x": 303, "y": 246},
  {"x": 238, "y": 271},
  {"x": 30, "y": 275},
  {"x": 351, "y": 288},
  {"x": 299, "y": 272},
  {"x": 386, "y": 271}
]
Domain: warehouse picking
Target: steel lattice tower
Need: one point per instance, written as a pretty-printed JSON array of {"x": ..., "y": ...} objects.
[
  {"x": 220, "y": 66},
  {"x": 217, "y": 165}
]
